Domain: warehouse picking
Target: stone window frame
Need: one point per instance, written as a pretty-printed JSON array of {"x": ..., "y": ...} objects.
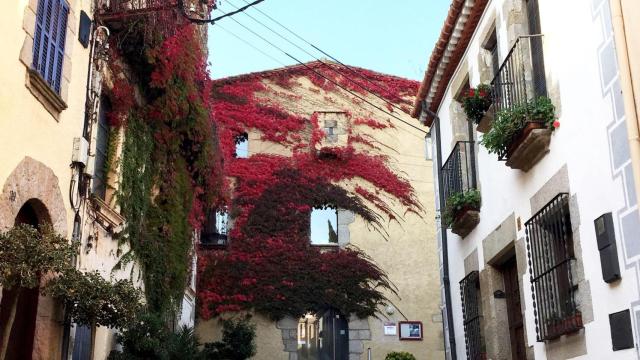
[{"x": 53, "y": 102}]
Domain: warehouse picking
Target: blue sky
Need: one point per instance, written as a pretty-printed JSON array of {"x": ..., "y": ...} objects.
[{"x": 394, "y": 37}]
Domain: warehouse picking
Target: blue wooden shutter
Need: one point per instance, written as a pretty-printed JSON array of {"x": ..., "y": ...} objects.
[{"x": 49, "y": 39}]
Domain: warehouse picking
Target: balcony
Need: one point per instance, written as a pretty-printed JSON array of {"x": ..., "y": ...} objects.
[
  {"x": 115, "y": 12},
  {"x": 110, "y": 10},
  {"x": 462, "y": 200},
  {"x": 519, "y": 94}
]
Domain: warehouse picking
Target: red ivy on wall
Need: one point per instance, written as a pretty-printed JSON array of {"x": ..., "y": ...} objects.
[{"x": 270, "y": 266}]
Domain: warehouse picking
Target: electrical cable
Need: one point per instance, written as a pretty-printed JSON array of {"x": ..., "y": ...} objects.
[
  {"x": 308, "y": 101},
  {"x": 326, "y": 77},
  {"x": 331, "y": 68},
  {"x": 213, "y": 21},
  {"x": 350, "y": 68}
]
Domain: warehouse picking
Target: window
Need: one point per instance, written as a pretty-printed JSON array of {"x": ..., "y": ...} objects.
[
  {"x": 242, "y": 146},
  {"x": 472, "y": 315},
  {"x": 324, "y": 226},
  {"x": 102, "y": 151},
  {"x": 550, "y": 251},
  {"x": 214, "y": 232},
  {"x": 537, "y": 56},
  {"x": 48, "y": 42},
  {"x": 491, "y": 45}
]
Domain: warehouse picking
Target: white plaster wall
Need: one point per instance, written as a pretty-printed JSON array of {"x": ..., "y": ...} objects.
[{"x": 572, "y": 40}]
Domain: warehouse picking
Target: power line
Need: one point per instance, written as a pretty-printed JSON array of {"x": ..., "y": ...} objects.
[
  {"x": 322, "y": 51},
  {"x": 331, "y": 68},
  {"x": 213, "y": 21},
  {"x": 326, "y": 77}
]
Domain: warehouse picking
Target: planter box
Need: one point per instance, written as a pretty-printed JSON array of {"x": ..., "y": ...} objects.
[
  {"x": 530, "y": 147},
  {"x": 466, "y": 221},
  {"x": 485, "y": 123},
  {"x": 566, "y": 326}
]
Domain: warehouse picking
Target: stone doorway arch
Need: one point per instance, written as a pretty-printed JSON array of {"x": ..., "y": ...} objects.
[{"x": 31, "y": 194}]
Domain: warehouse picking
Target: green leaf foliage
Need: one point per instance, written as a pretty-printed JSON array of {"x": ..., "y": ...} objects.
[
  {"x": 508, "y": 123},
  {"x": 149, "y": 338},
  {"x": 26, "y": 253},
  {"x": 238, "y": 341},
  {"x": 459, "y": 201},
  {"x": 399, "y": 355},
  {"x": 91, "y": 300}
]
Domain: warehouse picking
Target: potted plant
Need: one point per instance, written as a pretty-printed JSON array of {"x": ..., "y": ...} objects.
[
  {"x": 476, "y": 104},
  {"x": 462, "y": 211},
  {"x": 521, "y": 134}
]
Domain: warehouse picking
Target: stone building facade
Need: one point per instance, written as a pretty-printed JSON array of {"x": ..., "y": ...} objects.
[
  {"x": 520, "y": 283},
  {"x": 408, "y": 256}
]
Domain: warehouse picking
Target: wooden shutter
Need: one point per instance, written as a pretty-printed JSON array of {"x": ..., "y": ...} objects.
[{"x": 49, "y": 39}]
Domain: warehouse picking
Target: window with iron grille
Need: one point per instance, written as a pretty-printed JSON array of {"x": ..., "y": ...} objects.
[
  {"x": 48, "y": 41},
  {"x": 550, "y": 252},
  {"x": 472, "y": 315},
  {"x": 214, "y": 231}
]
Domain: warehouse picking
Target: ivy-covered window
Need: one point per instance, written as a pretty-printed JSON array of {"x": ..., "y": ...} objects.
[
  {"x": 242, "y": 146},
  {"x": 49, "y": 39},
  {"x": 214, "y": 232},
  {"x": 102, "y": 151},
  {"x": 324, "y": 226}
]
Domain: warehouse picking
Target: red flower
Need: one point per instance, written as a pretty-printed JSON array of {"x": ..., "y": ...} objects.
[
  {"x": 472, "y": 92},
  {"x": 556, "y": 124}
]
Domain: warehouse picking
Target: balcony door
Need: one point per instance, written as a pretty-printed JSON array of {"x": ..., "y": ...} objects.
[{"x": 514, "y": 309}]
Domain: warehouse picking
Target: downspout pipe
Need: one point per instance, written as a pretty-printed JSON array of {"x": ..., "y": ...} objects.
[
  {"x": 443, "y": 233},
  {"x": 627, "y": 85}
]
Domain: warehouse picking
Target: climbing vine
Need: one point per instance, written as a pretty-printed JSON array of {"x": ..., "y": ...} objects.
[
  {"x": 170, "y": 167},
  {"x": 270, "y": 266}
]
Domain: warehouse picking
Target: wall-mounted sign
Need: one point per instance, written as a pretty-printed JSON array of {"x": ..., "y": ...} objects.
[
  {"x": 390, "y": 329},
  {"x": 410, "y": 330}
]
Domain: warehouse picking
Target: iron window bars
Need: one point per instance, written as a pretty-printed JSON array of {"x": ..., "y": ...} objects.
[
  {"x": 458, "y": 172},
  {"x": 520, "y": 78},
  {"x": 550, "y": 253},
  {"x": 471, "y": 315}
]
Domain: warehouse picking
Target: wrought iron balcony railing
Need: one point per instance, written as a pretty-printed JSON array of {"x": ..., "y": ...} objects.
[
  {"x": 550, "y": 251},
  {"x": 116, "y": 9},
  {"x": 521, "y": 76},
  {"x": 459, "y": 171}
]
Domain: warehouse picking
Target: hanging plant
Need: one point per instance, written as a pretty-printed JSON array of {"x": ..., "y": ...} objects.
[{"x": 477, "y": 101}]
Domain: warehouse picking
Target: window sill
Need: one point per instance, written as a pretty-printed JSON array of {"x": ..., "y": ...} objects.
[
  {"x": 106, "y": 216},
  {"x": 43, "y": 92}
]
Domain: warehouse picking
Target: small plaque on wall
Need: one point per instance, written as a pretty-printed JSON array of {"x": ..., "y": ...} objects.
[
  {"x": 390, "y": 329},
  {"x": 410, "y": 330}
]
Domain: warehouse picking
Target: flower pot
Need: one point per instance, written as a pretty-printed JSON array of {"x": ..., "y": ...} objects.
[
  {"x": 485, "y": 123},
  {"x": 465, "y": 220},
  {"x": 529, "y": 147}
]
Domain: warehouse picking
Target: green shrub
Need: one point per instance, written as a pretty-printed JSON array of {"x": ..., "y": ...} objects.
[
  {"x": 238, "y": 342},
  {"x": 509, "y": 122},
  {"x": 477, "y": 102},
  {"x": 399, "y": 355},
  {"x": 457, "y": 202}
]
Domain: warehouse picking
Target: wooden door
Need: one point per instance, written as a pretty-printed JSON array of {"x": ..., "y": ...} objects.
[{"x": 514, "y": 310}]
